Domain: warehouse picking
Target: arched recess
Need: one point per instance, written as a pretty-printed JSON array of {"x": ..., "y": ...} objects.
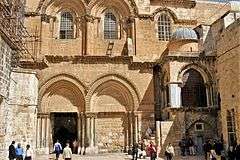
[
  {"x": 119, "y": 83},
  {"x": 113, "y": 99},
  {"x": 63, "y": 87},
  {"x": 193, "y": 90},
  {"x": 207, "y": 77},
  {"x": 111, "y": 96}
]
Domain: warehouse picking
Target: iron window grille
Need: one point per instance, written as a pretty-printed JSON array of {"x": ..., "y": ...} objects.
[
  {"x": 110, "y": 26},
  {"x": 66, "y": 26},
  {"x": 164, "y": 27}
]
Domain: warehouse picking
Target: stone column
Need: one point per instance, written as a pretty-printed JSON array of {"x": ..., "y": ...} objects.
[
  {"x": 158, "y": 134},
  {"x": 38, "y": 139},
  {"x": 92, "y": 135},
  {"x": 126, "y": 132},
  {"x": 208, "y": 95},
  {"x": 48, "y": 128},
  {"x": 79, "y": 127},
  {"x": 130, "y": 129},
  {"x": 83, "y": 141},
  {"x": 139, "y": 126},
  {"x": 215, "y": 97},
  {"x": 175, "y": 94},
  {"x": 211, "y": 95},
  {"x": 135, "y": 120},
  {"x": 88, "y": 131}
]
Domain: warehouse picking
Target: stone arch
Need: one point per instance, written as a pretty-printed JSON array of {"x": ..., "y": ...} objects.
[
  {"x": 62, "y": 83},
  {"x": 168, "y": 11},
  {"x": 201, "y": 69},
  {"x": 119, "y": 83},
  {"x": 122, "y": 7},
  {"x": 48, "y": 6}
]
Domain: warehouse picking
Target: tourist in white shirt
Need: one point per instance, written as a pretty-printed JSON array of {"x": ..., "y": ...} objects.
[
  {"x": 169, "y": 152},
  {"x": 67, "y": 152},
  {"x": 29, "y": 153}
]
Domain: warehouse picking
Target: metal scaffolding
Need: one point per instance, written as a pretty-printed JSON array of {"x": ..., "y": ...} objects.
[{"x": 13, "y": 31}]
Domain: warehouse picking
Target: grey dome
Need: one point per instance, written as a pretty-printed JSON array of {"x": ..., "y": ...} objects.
[{"x": 184, "y": 34}]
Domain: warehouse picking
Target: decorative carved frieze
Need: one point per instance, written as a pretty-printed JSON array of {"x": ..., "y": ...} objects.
[{"x": 175, "y": 3}]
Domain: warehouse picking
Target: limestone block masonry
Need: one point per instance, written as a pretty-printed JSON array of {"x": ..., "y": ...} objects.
[{"x": 20, "y": 111}]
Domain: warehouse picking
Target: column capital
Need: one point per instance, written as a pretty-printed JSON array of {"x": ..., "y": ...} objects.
[
  {"x": 43, "y": 115},
  {"x": 91, "y": 115}
]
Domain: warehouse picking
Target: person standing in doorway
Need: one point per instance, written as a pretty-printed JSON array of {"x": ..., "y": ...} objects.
[
  {"x": 67, "y": 152},
  {"x": 19, "y": 152},
  {"x": 29, "y": 153},
  {"x": 12, "y": 152},
  {"x": 57, "y": 149}
]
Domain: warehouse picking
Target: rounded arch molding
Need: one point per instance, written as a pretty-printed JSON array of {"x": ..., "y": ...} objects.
[
  {"x": 117, "y": 78},
  {"x": 44, "y": 4},
  {"x": 62, "y": 77},
  {"x": 166, "y": 10},
  {"x": 206, "y": 75},
  {"x": 127, "y": 5}
]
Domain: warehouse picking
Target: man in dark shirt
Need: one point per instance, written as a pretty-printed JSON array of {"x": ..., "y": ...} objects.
[
  {"x": 135, "y": 151},
  {"x": 12, "y": 153}
]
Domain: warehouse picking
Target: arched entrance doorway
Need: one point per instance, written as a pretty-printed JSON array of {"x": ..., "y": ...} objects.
[
  {"x": 193, "y": 90},
  {"x": 65, "y": 128},
  {"x": 60, "y": 117}
]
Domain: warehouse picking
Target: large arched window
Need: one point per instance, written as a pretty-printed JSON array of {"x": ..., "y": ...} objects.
[
  {"x": 66, "y": 26},
  {"x": 110, "y": 26},
  {"x": 164, "y": 27},
  {"x": 193, "y": 90}
]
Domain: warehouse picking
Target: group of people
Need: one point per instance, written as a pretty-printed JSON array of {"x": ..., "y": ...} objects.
[
  {"x": 66, "y": 152},
  {"x": 214, "y": 150},
  {"x": 18, "y": 152},
  {"x": 234, "y": 152},
  {"x": 187, "y": 146},
  {"x": 141, "y": 150}
]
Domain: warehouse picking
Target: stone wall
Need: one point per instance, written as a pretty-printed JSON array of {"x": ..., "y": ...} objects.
[
  {"x": 228, "y": 75},
  {"x": 143, "y": 34},
  {"x": 19, "y": 111},
  {"x": 5, "y": 67}
]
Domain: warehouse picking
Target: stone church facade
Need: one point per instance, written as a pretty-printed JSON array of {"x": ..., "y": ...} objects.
[{"x": 106, "y": 71}]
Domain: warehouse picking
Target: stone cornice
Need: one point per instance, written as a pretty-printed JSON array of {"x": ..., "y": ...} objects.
[
  {"x": 100, "y": 60},
  {"x": 176, "y": 20},
  {"x": 175, "y": 3},
  {"x": 193, "y": 109},
  {"x": 188, "y": 58}
]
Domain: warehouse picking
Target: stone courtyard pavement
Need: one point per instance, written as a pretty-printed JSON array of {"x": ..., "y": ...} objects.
[{"x": 113, "y": 156}]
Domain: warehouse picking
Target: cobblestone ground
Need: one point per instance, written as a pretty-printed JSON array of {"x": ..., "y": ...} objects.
[{"x": 117, "y": 156}]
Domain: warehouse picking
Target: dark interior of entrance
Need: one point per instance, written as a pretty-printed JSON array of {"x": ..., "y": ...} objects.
[{"x": 64, "y": 127}]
